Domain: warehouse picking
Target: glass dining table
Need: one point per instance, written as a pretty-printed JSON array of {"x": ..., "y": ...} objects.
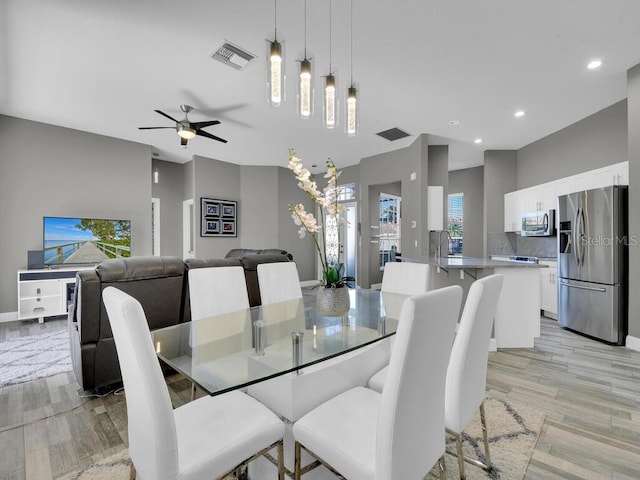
[{"x": 246, "y": 347}]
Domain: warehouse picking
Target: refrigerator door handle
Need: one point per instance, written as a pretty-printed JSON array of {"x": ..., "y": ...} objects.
[
  {"x": 580, "y": 247},
  {"x": 574, "y": 234},
  {"x": 581, "y": 287}
]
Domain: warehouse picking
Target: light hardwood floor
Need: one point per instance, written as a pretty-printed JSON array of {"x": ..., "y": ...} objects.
[{"x": 589, "y": 391}]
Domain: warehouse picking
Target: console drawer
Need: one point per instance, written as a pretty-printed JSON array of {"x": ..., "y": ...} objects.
[
  {"x": 46, "y": 288},
  {"x": 45, "y": 307}
]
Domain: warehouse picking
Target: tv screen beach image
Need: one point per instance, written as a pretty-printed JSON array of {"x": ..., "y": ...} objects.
[{"x": 85, "y": 240}]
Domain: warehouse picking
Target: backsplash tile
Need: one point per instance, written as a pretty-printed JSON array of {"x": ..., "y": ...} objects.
[{"x": 510, "y": 243}]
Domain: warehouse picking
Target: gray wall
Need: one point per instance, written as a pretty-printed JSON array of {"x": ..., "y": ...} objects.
[
  {"x": 169, "y": 191},
  {"x": 220, "y": 180},
  {"x": 395, "y": 166},
  {"x": 54, "y": 171},
  {"x": 633, "y": 91},
  {"x": 470, "y": 182},
  {"x": 303, "y": 250},
  {"x": 596, "y": 141},
  {"x": 438, "y": 168},
  {"x": 263, "y": 195},
  {"x": 500, "y": 177},
  {"x": 259, "y": 194}
]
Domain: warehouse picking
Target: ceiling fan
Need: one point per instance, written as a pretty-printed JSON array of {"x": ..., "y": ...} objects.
[{"x": 186, "y": 129}]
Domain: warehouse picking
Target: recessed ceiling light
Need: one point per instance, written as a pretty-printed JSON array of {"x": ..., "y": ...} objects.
[
  {"x": 477, "y": 140},
  {"x": 453, "y": 123},
  {"x": 593, "y": 64},
  {"x": 519, "y": 113}
]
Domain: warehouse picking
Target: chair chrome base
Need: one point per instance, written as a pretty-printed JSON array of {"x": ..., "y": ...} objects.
[
  {"x": 458, "y": 453},
  {"x": 238, "y": 470},
  {"x": 299, "y": 470}
]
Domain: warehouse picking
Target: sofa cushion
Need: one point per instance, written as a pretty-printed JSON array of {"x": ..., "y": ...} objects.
[
  {"x": 240, "y": 252},
  {"x": 213, "y": 262},
  {"x": 139, "y": 268}
]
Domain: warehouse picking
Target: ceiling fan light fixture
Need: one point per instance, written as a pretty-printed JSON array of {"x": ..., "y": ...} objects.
[{"x": 186, "y": 132}]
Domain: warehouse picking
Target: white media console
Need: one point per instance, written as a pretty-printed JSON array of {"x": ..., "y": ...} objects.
[{"x": 46, "y": 292}]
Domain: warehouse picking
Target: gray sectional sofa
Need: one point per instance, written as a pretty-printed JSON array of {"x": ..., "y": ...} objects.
[{"x": 160, "y": 284}]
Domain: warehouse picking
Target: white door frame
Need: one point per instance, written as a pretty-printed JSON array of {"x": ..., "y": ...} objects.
[{"x": 188, "y": 238}]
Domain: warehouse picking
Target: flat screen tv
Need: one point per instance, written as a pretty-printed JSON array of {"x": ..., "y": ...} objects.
[{"x": 78, "y": 241}]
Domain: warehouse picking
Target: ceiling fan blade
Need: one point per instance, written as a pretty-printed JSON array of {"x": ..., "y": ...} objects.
[
  {"x": 202, "y": 133},
  {"x": 167, "y": 116},
  {"x": 183, "y": 142},
  {"x": 153, "y": 128},
  {"x": 198, "y": 125}
]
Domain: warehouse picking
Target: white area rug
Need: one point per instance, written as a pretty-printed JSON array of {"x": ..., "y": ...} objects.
[
  {"x": 513, "y": 432},
  {"x": 28, "y": 358}
]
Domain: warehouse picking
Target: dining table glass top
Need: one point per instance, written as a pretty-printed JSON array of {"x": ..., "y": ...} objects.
[{"x": 236, "y": 349}]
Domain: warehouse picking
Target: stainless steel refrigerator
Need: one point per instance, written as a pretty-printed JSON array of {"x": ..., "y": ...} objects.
[{"x": 592, "y": 263}]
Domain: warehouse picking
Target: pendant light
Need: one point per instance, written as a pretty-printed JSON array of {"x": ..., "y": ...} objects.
[
  {"x": 352, "y": 94},
  {"x": 275, "y": 67},
  {"x": 330, "y": 104},
  {"x": 305, "y": 83}
]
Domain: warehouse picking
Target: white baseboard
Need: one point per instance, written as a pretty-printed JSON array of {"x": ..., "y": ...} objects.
[
  {"x": 633, "y": 343},
  {"x": 8, "y": 317},
  {"x": 493, "y": 346}
]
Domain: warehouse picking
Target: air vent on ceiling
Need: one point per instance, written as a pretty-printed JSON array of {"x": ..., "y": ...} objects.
[
  {"x": 232, "y": 55},
  {"x": 393, "y": 134}
]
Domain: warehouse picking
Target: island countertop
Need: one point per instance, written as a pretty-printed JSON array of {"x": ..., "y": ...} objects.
[{"x": 470, "y": 262}]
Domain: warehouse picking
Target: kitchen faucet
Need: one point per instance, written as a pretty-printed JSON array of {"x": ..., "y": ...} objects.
[{"x": 439, "y": 249}]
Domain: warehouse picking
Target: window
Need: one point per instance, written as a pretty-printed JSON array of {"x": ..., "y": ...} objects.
[
  {"x": 389, "y": 228},
  {"x": 455, "y": 220},
  {"x": 346, "y": 192}
]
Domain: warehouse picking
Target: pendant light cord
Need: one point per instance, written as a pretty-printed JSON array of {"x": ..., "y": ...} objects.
[
  {"x": 275, "y": 20},
  {"x": 305, "y": 29},
  {"x": 351, "y": 52},
  {"x": 330, "y": 72}
]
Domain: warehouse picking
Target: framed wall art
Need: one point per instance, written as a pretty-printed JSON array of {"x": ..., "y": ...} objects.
[{"x": 218, "y": 217}]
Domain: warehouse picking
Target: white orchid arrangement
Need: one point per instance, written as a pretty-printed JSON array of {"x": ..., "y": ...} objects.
[{"x": 327, "y": 201}]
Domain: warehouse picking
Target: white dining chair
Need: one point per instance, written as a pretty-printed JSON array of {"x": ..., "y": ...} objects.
[
  {"x": 406, "y": 277},
  {"x": 398, "y": 434},
  {"x": 217, "y": 290},
  {"x": 278, "y": 282},
  {"x": 467, "y": 372},
  {"x": 208, "y": 438}
]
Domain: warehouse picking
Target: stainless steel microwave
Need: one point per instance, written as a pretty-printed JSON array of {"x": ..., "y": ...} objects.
[{"x": 538, "y": 224}]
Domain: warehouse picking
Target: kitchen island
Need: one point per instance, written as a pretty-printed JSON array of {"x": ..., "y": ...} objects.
[{"x": 517, "y": 320}]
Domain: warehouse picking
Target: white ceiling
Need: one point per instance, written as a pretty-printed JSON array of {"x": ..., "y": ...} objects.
[{"x": 104, "y": 66}]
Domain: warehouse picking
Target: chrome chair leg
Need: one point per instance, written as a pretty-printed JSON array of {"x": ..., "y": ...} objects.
[
  {"x": 297, "y": 461},
  {"x": 460, "y": 456},
  {"x": 442, "y": 467},
  {"x": 193, "y": 391},
  {"x": 485, "y": 436},
  {"x": 281, "y": 461}
]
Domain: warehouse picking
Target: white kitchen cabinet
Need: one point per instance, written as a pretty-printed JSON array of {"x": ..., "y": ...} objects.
[
  {"x": 583, "y": 181},
  {"x": 513, "y": 211},
  {"x": 603, "y": 177},
  {"x": 565, "y": 186},
  {"x": 545, "y": 196},
  {"x": 549, "y": 289},
  {"x": 623, "y": 173}
]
